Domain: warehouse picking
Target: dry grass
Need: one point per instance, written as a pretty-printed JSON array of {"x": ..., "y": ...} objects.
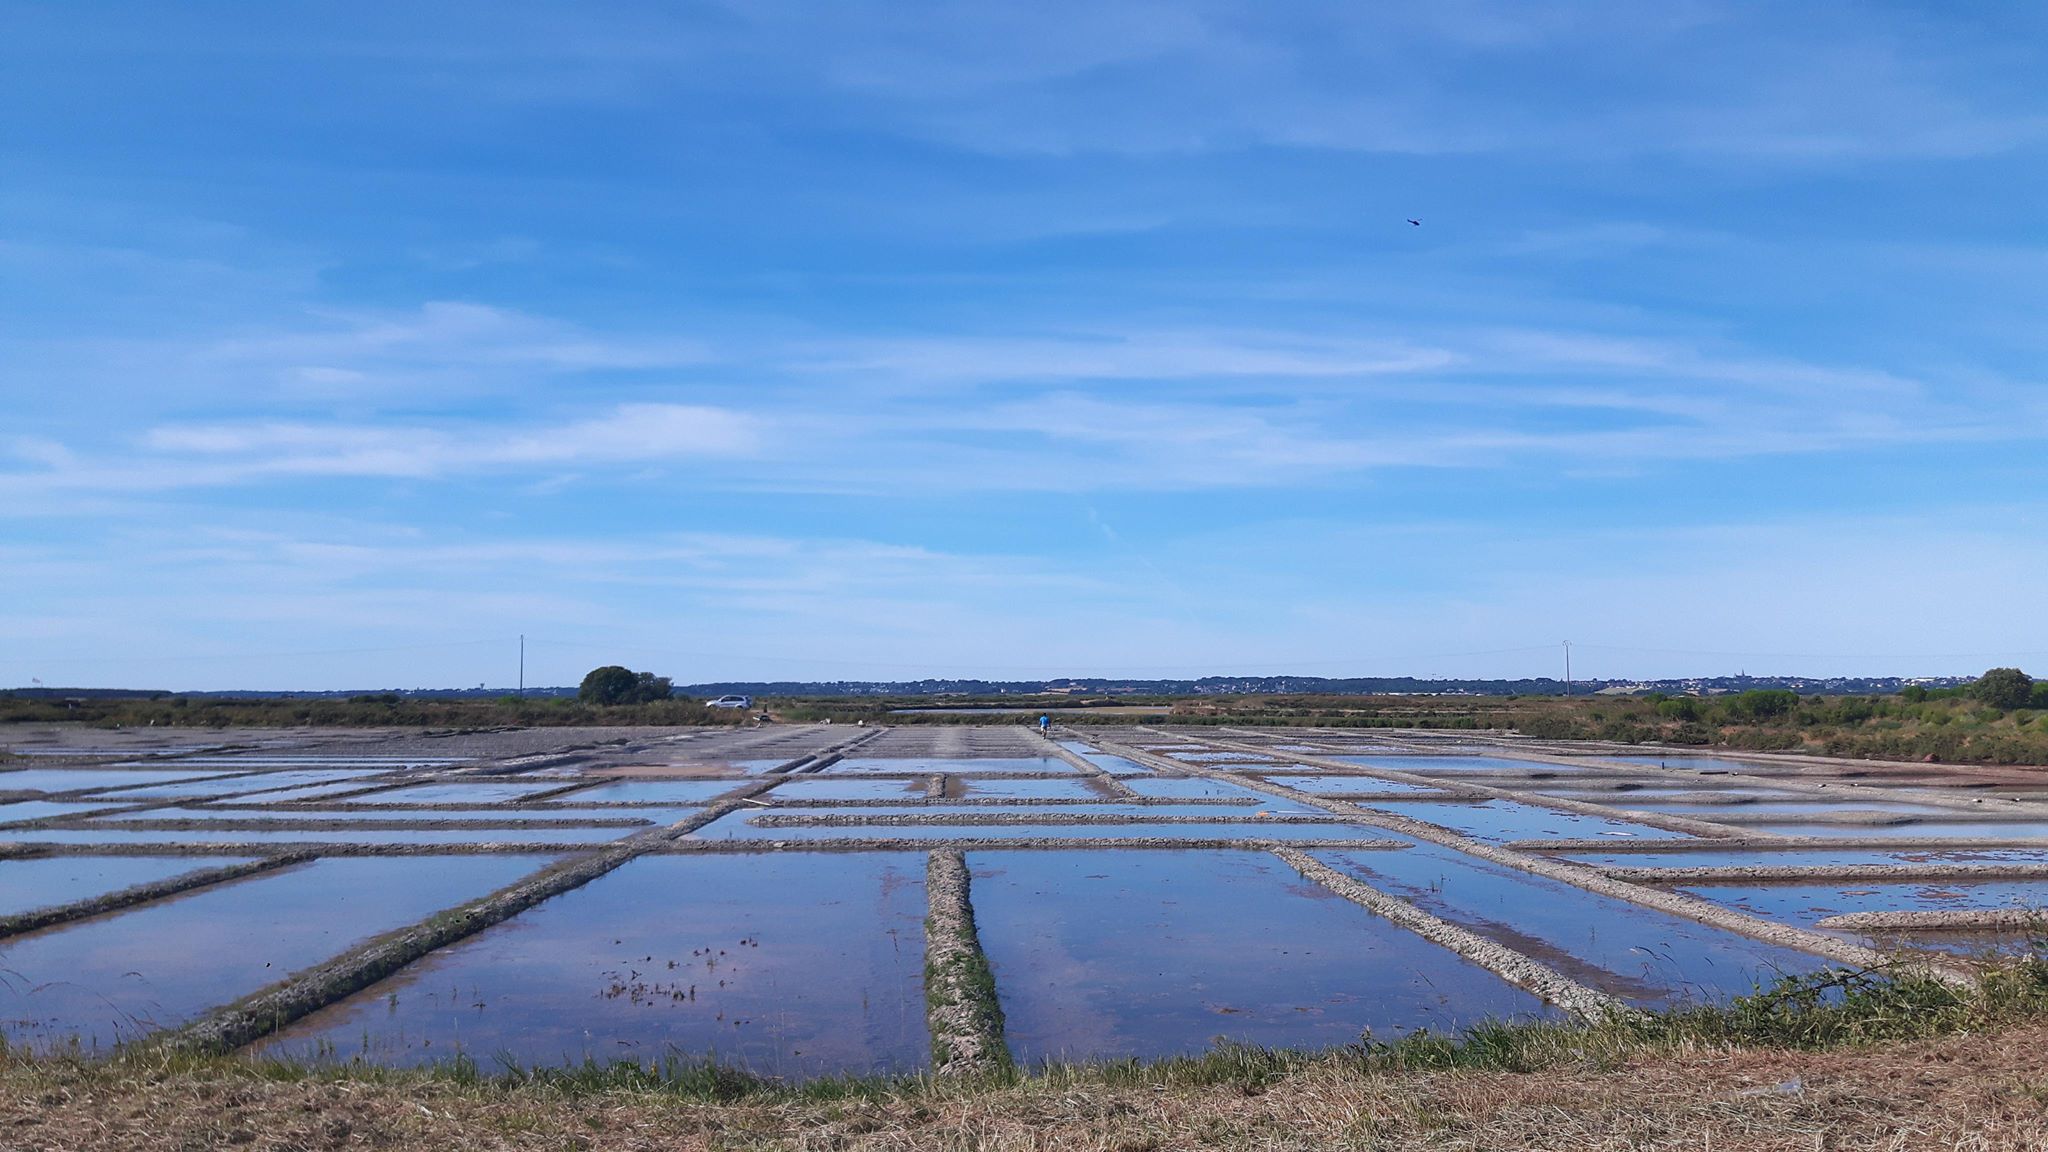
[{"x": 1975, "y": 1091}]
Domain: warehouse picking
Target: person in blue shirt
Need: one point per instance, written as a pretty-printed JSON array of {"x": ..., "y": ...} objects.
[{"x": 1044, "y": 724}]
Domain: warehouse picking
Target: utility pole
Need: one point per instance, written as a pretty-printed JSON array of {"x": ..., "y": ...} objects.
[
  {"x": 522, "y": 663},
  {"x": 1567, "y": 667}
]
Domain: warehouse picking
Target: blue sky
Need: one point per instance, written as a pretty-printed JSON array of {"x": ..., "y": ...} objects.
[{"x": 343, "y": 343}]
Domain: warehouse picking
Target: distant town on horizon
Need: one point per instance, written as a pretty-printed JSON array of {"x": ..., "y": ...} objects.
[{"x": 1110, "y": 686}]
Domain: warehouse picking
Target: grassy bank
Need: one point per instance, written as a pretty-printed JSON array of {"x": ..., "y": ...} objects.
[
  {"x": 1947, "y": 727},
  {"x": 1839, "y": 1060}
]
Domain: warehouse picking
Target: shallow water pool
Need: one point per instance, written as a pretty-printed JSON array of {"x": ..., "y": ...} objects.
[
  {"x": 493, "y": 792},
  {"x": 1501, "y": 821},
  {"x": 1147, "y": 953},
  {"x": 97, "y": 982},
  {"x": 77, "y": 779},
  {"x": 26, "y": 885},
  {"x": 857, "y": 766},
  {"x": 1648, "y": 958},
  {"x": 791, "y": 965},
  {"x": 653, "y": 792}
]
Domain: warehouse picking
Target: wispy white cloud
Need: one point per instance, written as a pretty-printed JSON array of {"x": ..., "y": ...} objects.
[
  {"x": 1127, "y": 355},
  {"x": 1139, "y": 408},
  {"x": 207, "y": 455},
  {"x": 1701, "y": 79},
  {"x": 441, "y": 331}
]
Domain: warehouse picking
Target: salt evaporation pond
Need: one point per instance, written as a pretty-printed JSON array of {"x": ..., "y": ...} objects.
[
  {"x": 95, "y": 983},
  {"x": 265, "y": 783},
  {"x": 1501, "y": 821},
  {"x": 54, "y": 780},
  {"x": 1985, "y": 830},
  {"x": 421, "y": 836},
  {"x": 1199, "y": 824},
  {"x": 1331, "y": 785},
  {"x": 1432, "y": 765},
  {"x": 856, "y": 766},
  {"x": 1147, "y": 953},
  {"x": 26, "y": 885},
  {"x": 789, "y": 965},
  {"x": 650, "y": 792},
  {"x": 1113, "y": 764},
  {"x": 26, "y": 810},
  {"x": 1648, "y": 958},
  {"x": 479, "y": 793},
  {"x": 1032, "y": 788},
  {"x": 841, "y": 788},
  {"x": 1809, "y": 904},
  {"x": 1797, "y": 857}
]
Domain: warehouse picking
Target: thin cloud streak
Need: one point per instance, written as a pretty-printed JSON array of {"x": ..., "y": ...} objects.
[{"x": 1159, "y": 411}]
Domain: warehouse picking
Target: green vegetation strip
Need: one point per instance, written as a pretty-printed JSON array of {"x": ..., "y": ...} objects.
[
  {"x": 965, "y": 1016},
  {"x": 1541, "y": 980},
  {"x": 138, "y": 894}
]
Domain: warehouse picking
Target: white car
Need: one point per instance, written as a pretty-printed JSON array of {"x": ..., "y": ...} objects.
[{"x": 731, "y": 702}]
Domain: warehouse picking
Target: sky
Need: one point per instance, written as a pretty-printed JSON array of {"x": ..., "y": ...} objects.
[{"x": 341, "y": 345}]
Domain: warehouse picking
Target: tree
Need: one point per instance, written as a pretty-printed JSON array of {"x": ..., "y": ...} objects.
[
  {"x": 2004, "y": 688},
  {"x": 614, "y": 684},
  {"x": 652, "y": 687},
  {"x": 611, "y": 684}
]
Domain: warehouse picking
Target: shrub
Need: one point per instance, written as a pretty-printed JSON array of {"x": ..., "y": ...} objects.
[
  {"x": 613, "y": 684},
  {"x": 2004, "y": 688},
  {"x": 1683, "y": 708},
  {"x": 1690, "y": 732},
  {"x": 1762, "y": 703},
  {"x": 1550, "y": 726}
]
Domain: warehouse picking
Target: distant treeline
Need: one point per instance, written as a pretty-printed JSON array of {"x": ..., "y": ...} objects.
[
  {"x": 366, "y": 710},
  {"x": 1999, "y": 718},
  {"x": 1312, "y": 685},
  {"x": 1205, "y": 686}
]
